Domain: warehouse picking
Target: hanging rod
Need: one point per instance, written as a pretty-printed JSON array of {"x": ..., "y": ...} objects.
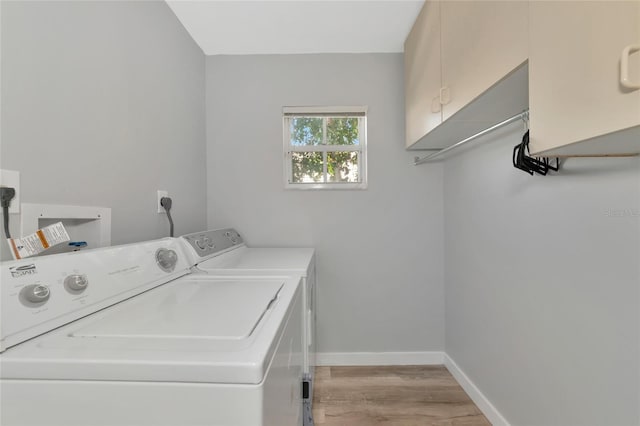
[{"x": 524, "y": 115}]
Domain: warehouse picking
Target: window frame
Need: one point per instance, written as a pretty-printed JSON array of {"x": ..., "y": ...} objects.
[{"x": 359, "y": 112}]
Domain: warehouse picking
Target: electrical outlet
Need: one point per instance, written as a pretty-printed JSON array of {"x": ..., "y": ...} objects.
[
  {"x": 161, "y": 194},
  {"x": 11, "y": 179}
]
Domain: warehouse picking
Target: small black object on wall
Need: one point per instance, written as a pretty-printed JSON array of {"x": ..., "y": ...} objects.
[{"x": 523, "y": 161}]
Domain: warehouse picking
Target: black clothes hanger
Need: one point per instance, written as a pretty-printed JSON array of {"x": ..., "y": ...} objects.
[{"x": 523, "y": 161}]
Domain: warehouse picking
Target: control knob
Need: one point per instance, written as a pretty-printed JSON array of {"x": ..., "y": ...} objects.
[
  {"x": 35, "y": 294},
  {"x": 201, "y": 244},
  {"x": 166, "y": 259},
  {"x": 76, "y": 283},
  {"x": 231, "y": 237}
]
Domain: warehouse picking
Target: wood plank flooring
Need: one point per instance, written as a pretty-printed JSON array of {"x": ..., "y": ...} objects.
[{"x": 392, "y": 396}]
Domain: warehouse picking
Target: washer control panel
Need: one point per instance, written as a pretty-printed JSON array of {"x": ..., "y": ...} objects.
[
  {"x": 212, "y": 243},
  {"x": 41, "y": 293}
]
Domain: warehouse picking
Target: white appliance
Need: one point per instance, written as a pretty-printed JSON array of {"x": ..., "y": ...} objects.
[
  {"x": 128, "y": 335},
  {"x": 222, "y": 252}
]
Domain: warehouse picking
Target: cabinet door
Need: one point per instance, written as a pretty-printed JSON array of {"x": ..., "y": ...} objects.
[
  {"x": 482, "y": 42},
  {"x": 574, "y": 71},
  {"x": 422, "y": 74}
]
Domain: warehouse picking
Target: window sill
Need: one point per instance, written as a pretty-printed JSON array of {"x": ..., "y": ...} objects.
[{"x": 325, "y": 186}]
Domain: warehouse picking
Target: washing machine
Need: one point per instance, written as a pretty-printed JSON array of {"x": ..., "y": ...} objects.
[
  {"x": 223, "y": 252},
  {"x": 129, "y": 335}
]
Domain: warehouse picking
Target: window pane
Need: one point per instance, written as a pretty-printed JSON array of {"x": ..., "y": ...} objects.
[
  {"x": 306, "y": 167},
  {"x": 342, "y": 166},
  {"x": 342, "y": 131},
  {"x": 305, "y": 131}
]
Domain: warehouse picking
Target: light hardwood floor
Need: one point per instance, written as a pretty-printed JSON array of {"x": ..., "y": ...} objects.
[{"x": 392, "y": 396}]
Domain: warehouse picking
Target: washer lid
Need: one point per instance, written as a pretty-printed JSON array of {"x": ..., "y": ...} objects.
[
  {"x": 195, "y": 309},
  {"x": 194, "y": 329}
]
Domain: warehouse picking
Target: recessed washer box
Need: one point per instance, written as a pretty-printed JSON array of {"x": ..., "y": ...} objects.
[{"x": 83, "y": 223}]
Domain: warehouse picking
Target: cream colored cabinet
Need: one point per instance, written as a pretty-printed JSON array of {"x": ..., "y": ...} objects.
[
  {"x": 422, "y": 78},
  {"x": 482, "y": 42},
  {"x": 455, "y": 52},
  {"x": 575, "y": 89}
]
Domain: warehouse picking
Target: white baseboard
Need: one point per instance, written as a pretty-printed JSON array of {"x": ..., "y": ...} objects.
[
  {"x": 487, "y": 408},
  {"x": 379, "y": 358}
]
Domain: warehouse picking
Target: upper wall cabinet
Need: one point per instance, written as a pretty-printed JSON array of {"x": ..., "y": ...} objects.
[
  {"x": 575, "y": 66},
  {"x": 455, "y": 52},
  {"x": 482, "y": 42},
  {"x": 422, "y": 74}
]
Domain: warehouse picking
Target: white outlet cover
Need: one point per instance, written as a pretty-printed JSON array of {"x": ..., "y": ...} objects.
[
  {"x": 11, "y": 179},
  {"x": 160, "y": 195}
]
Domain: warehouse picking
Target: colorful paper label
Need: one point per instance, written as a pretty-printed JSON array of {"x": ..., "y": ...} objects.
[{"x": 39, "y": 241}]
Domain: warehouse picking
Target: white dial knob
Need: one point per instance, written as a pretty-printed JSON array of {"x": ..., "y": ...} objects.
[
  {"x": 76, "y": 283},
  {"x": 232, "y": 236},
  {"x": 166, "y": 259},
  {"x": 35, "y": 294},
  {"x": 201, "y": 244}
]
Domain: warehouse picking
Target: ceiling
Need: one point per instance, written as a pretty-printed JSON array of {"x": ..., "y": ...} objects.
[{"x": 243, "y": 27}]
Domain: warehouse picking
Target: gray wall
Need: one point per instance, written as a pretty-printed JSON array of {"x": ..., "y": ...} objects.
[
  {"x": 379, "y": 251},
  {"x": 542, "y": 278},
  {"x": 102, "y": 105}
]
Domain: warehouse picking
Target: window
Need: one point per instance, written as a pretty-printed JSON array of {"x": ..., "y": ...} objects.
[{"x": 325, "y": 147}]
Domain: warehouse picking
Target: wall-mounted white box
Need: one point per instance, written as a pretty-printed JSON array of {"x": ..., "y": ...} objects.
[{"x": 83, "y": 223}]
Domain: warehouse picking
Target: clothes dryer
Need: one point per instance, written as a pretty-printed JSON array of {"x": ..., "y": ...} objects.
[{"x": 223, "y": 252}]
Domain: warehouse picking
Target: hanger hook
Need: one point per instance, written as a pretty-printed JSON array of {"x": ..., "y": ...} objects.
[{"x": 525, "y": 119}]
